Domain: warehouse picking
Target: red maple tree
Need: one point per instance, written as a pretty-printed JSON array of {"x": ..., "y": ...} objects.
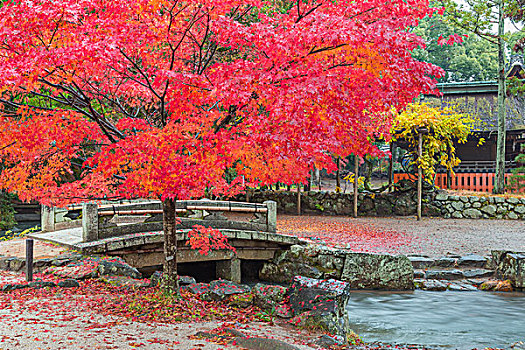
[{"x": 162, "y": 98}]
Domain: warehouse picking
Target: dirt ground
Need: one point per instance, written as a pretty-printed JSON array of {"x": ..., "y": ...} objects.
[{"x": 53, "y": 325}]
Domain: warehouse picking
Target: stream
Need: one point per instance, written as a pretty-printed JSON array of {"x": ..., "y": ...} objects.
[{"x": 449, "y": 320}]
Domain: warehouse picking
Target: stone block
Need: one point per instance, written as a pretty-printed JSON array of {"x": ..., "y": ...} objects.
[
  {"x": 271, "y": 216},
  {"x": 457, "y": 215},
  {"x": 477, "y": 273},
  {"x": 323, "y": 302},
  {"x": 445, "y": 262},
  {"x": 229, "y": 270},
  {"x": 268, "y": 297},
  {"x": 432, "y": 285},
  {"x": 444, "y": 274},
  {"x": 48, "y": 218},
  {"x": 457, "y": 205},
  {"x": 420, "y": 262},
  {"x": 442, "y": 197},
  {"x": 378, "y": 271},
  {"x": 472, "y": 260},
  {"x": 511, "y": 266},
  {"x": 472, "y": 213},
  {"x": 89, "y": 222}
]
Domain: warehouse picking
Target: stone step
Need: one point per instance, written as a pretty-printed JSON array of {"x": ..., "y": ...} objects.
[
  {"x": 442, "y": 285},
  {"x": 471, "y": 260},
  {"x": 452, "y": 274}
]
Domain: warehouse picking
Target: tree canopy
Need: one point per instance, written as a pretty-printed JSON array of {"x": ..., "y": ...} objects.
[{"x": 161, "y": 98}]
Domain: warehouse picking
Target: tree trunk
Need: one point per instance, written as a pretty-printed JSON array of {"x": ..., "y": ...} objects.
[
  {"x": 419, "y": 174},
  {"x": 500, "y": 146},
  {"x": 356, "y": 183},
  {"x": 170, "y": 281},
  {"x": 298, "y": 199}
]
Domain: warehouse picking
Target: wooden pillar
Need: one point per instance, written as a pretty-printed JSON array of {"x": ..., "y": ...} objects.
[{"x": 356, "y": 182}]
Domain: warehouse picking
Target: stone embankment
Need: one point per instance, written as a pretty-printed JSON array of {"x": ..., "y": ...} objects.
[{"x": 401, "y": 202}]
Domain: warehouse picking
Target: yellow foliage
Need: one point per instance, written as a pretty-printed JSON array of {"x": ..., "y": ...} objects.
[{"x": 445, "y": 126}]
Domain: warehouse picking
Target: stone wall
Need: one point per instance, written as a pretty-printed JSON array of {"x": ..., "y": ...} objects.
[
  {"x": 474, "y": 207},
  {"x": 402, "y": 202}
]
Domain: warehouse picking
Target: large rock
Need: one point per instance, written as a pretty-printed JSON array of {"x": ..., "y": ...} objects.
[
  {"x": 472, "y": 213},
  {"x": 124, "y": 281},
  {"x": 220, "y": 289},
  {"x": 511, "y": 266},
  {"x": 378, "y": 271},
  {"x": 284, "y": 272},
  {"x": 118, "y": 267},
  {"x": 268, "y": 297},
  {"x": 321, "y": 304},
  {"x": 405, "y": 205},
  {"x": 314, "y": 261}
]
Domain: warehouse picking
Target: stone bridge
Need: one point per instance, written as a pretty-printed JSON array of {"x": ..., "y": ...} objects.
[{"x": 133, "y": 231}]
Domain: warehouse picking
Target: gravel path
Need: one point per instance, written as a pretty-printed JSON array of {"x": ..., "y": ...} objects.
[
  {"x": 405, "y": 235},
  {"x": 41, "y": 250}
]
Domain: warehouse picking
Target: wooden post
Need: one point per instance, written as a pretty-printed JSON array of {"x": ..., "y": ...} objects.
[
  {"x": 338, "y": 176},
  {"x": 356, "y": 177},
  {"x": 420, "y": 133},
  {"x": 29, "y": 260},
  {"x": 298, "y": 199},
  {"x": 391, "y": 167}
]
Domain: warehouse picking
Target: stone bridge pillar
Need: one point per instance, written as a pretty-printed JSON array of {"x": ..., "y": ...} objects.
[
  {"x": 89, "y": 222},
  {"x": 48, "y": 218},
  {"x": 229, "y": 270},
  {"x": 271, "y": 216}
]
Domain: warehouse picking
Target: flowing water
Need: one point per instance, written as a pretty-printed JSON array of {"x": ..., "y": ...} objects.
[{"x": 453, "y": 320}]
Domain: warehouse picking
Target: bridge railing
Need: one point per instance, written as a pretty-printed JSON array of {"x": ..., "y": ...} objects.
[{"x": 100, "y": 221}]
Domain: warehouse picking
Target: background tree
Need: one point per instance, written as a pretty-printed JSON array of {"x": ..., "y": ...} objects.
[
  {"x": 480, "y": 18},
  {"x": 162, "y": 98},
  {"x": 474, "y": 59}
]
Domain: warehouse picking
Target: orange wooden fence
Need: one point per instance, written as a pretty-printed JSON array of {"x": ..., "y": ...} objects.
[{"x": 480, "y": 182}]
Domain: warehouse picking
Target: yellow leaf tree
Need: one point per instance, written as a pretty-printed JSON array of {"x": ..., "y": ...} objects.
[{"x": 446, "y": 127}]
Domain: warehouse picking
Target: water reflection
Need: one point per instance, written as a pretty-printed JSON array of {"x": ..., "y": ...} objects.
[{"x": 457, "y": 320}]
